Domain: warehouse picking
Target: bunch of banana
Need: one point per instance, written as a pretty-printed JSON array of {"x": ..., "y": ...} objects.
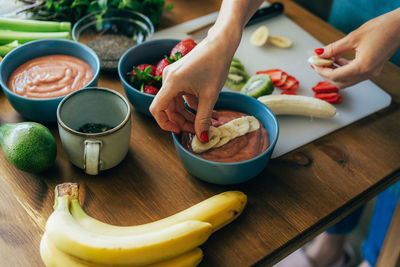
[
  {"x": 73, "y": 238},
  {"x": 226, "y": 132}
]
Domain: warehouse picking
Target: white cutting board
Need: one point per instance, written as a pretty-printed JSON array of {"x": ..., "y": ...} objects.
[{"x": 359, "y": 101}]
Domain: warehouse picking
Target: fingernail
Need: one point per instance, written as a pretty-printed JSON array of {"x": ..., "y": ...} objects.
[
  {"x": 204, "y": 136},
  {"x": 312, "y": 66},
  {"x": 319, "y": 51}
]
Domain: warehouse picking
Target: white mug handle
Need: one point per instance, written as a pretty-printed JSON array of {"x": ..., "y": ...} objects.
[{"x": 91, "y": 157}]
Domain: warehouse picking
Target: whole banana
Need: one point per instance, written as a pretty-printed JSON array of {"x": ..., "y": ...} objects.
[
  {"x": 218, "y": 210},
  {"x": 53, "y": 257},
  {"x": 73, "y": 238}
]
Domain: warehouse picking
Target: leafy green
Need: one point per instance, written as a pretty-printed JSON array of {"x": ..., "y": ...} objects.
[
  {"x": 139, "y": 79},
  {"x": 73, "y": 10}
]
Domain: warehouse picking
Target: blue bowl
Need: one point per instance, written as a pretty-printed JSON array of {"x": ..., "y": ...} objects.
[
  {"x": 149, "y": 52},
  {"x": 235, "y": 172},
  {"x": 44, "y": 110}
]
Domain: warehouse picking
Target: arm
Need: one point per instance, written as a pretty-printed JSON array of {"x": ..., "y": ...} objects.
[
  {"x": 201, "y": 74},
  {"x": 374, "y": 43}
]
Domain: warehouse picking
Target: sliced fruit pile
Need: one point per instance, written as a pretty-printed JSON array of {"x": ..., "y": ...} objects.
[
  {"x": 328, "y": 92},
  {"x": 281, "y": 79},
  {"x": 261, "y": 35},
  {"x": 237, "y": 76},
  {"x": 148, "y": 78},
  {"x": 73, "y": 238}
]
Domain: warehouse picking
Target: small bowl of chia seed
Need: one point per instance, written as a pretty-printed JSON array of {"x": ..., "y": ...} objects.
[{"x": 111, "y": 32}]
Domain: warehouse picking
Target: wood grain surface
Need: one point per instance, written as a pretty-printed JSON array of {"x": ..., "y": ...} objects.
[{"x": 297, "y": 196}]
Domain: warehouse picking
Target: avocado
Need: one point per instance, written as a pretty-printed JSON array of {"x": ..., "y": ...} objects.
[{"x": 29, "y": 146}]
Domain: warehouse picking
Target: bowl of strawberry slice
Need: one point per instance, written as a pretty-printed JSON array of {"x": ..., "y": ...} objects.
[{"x": 141, "y": 67}]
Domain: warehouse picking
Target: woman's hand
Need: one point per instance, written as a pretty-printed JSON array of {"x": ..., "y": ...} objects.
[
  {"x": 374, "y": 43},
  {"x": 198, "y": 77}
]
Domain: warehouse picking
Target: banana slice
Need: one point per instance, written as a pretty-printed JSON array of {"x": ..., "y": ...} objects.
[
  {"x": 242, "y": 125},
  {"x": 231, "y": 129},
  {"x": 318, "y": 61},
  {"x": 254, "y": 123},
  {"x": 224, "y": 138},
  {"x": 279, "y": 41},
  {"x": 260, "y": 36},
  {"x": 214, "y": 137}
]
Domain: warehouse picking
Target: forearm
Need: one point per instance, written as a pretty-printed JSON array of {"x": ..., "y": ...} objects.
[{"x": 232, "y": 17}]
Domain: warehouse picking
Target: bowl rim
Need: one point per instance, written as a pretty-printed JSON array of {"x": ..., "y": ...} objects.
[
  {"x": 82, "y": 91},
  {"x": 74, "y": 33},
  {"x": 125, "y": 54},
  {"x": 33, "y": 43},
  {"x": 270, "y": 147}
]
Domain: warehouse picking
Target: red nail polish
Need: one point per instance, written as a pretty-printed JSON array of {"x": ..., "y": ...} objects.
[
  {"x": 176, "y": 133},
  {"x": 312, "y": 66},
  {"x": 319, "y": 51},
  {"x": 204, "y": 136}
]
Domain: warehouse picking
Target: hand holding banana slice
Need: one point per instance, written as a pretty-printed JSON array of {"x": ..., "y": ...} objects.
[
  {"x": 225, "y": 133},
  {"x": 318, "y": 61},
  {"x": 261, "y": 36},
  {"x": 73, "y": 238}
]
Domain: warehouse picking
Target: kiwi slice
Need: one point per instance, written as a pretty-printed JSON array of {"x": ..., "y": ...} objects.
[
  {"x": 236, "y": 79},
  {"x": 236, "y": 60},
  {"x": 237, "y": 65},
  {"x": 258, "y": 85}
]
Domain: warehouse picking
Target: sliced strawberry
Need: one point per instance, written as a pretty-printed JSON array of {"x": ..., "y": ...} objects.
[
  {"x": 283, "y": 79},
  {"x": 325, "y": 87},
  {"x": 294, "y": 86},
  {"x": 288, "y": 92},
  {"x": 160, "y": 66},
  {"x": 290, "y": 83},
  {"x": 275, "y": 74},
  {"x": 329, "y": 97},
  {"x": 338, "y": 101},
  {"x": 151, "y": 90},
  {"x": 183, "y": 48}
]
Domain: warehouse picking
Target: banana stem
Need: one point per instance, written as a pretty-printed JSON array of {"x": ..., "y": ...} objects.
[{"x": 70, "y": 190}]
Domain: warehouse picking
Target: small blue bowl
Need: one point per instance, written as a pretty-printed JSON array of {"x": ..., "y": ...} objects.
[
  {"x": 235, "y": 172},
  {"x": 44, "y": 110},
  {"x": 149, "y": 52}
]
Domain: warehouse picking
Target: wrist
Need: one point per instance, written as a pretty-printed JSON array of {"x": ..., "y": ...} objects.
[{"x": 226, "y": 36}]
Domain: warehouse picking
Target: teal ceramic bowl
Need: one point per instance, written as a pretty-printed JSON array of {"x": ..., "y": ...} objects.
[
  {"x": 149, "y": 52},
  {"x": 236, "y": 172},
  {"x": 44, "y": 110}
]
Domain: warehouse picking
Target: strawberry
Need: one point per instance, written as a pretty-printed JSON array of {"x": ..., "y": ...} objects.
[
  {"x": 160, "y": 66},
  {"x": 275, "y": 74},
  {"x": 338, "y": 101},
  {"x": 329, "y": 97},
  {"x": 325, "y": 87},
  {"x": 182, "y": 48},
  {"x": 151, "y": 90},
  {"x": 291, "y": 83},
  {"x": 143, "y": 67},
  {"x": 288, "y": 92},
  {"x": 283, "y": 79}
]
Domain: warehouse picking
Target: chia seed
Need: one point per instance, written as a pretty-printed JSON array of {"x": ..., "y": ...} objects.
[{"x": 110, "y": 47}]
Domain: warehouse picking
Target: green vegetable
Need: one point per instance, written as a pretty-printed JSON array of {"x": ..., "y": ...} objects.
[
  {"x": 73, "y": 10},
  {"x": 4, "y": 49},
  {"x": 23, "y": 37},
  {"x": 29, "y": 146},
  {"x": 24, "y": 25}
]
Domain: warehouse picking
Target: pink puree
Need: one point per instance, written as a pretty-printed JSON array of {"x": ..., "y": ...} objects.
[{"x": 50, "y": 76}]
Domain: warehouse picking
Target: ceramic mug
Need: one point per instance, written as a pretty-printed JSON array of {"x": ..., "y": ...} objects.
[{"x": 94, "y": 152}]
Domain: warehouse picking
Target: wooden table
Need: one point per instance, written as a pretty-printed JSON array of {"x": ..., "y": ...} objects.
[{"x": 296, "y": 197}]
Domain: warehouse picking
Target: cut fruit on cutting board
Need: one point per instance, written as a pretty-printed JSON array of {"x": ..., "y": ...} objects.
[{"x": 359, "y": 100}]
